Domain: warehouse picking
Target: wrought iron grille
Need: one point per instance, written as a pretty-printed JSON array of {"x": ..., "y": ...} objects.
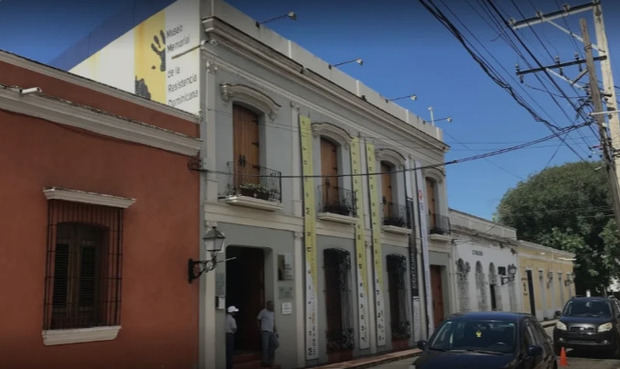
[
  {"x": 258, "y": 182},
  {"x": 395, "y": 215},
  {"x": 442, "y": 224},
  {"x": 337, "y": 200},
  {"x": 83, "y": 265}
]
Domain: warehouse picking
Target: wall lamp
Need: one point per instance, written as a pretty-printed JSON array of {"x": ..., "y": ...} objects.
[
  {"x": 570, "y": 278},
  {"x": 213, "y": 242},
  {"x": 291, "y": 15},
  {"x": 359, "y": 61},
  {"x": 512, "y": 272},
  {"x": 411, "y": 97}
]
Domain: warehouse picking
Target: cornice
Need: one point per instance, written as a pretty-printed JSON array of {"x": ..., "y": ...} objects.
[
  {"x": 66, "y": 113},
  {"x": 95, "y": 86},
  {"x": 250, "y": 95},
  {"x": 241, "y": 43},
  {"x": 66, "y": 194}
]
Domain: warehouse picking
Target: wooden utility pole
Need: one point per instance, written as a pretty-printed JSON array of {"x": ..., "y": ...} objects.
[{"x": 607, "y": 143}]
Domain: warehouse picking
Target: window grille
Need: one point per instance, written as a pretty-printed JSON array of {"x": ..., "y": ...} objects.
[{"x": 83, "y": 265}]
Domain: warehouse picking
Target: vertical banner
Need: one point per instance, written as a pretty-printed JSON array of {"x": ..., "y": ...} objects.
[
  {"x": 377, "y": 254},
  {"x": 421, "y": 189},
  {"x": 360, "y": 247},
  {"x": 312, "y": 345}
]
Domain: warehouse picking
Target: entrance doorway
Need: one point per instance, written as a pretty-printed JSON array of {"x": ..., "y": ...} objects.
[
  {"x": 245, "y": 289},
  {"x": 396, "y": 268},
  {"x": 530, "y": 288},
  {"x": 437, "y": 292},
  {"x": 337, "y": 305}
]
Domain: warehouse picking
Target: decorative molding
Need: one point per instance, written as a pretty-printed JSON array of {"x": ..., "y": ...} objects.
[
  {"x": 332, "y": 217},
  {"x": 251, "y": 96},
  {"x": 211, "y": 67},
  {"x": 298, "y": 235},
  {"x": 339, "y": 134},
  {"x": 252, "y": 202},
  {"x": 87, "y": 118},
  {"x": 391, "y": 155},
  {"x": 79, "y": 335},
  {"x": 439, "y": 238},
  {"x": 59, "y": 193},
  {"x": 398, "y": 230}
]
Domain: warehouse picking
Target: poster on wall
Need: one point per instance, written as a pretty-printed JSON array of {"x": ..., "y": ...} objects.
[
  {"x": 377, "y": 253},
  {"x": 420, "y": 187},
  {"x": 311, "y": 318},
  {"x": 360, "y": 248},
  {"x": 158, "y": 59}
]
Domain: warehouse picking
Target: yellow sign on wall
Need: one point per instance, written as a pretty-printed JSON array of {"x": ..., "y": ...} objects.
[
  {"x": 312, "y": 344},
  {"x": 360, "y": 247}
]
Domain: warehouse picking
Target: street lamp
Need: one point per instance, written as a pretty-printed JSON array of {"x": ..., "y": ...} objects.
[
  {"x": 433, "y": 120},
  {"x": 411, "y": 97},
  {"x": 291, "y": 15},
  {"x": 359, "y": 61},
  {"x": 512, "y": 272},
  {"x": 213, "y": 242}
]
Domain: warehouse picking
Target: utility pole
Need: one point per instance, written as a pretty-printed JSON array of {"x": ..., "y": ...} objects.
[
  {"x": 606, "y": 142},
  {"x": 611, "y": 141}
]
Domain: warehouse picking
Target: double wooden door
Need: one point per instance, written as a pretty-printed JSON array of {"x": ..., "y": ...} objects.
[
  {"x": 245, "y": 146},
  {"x": 386, "y": 188},
  {"x": 329, "y": 169},
  {"x": 437, "y": 293}
]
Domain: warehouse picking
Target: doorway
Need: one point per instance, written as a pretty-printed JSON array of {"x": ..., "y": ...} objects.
[
  {"x": 437, "y": 292},
  {"x": 530, "y": 288},
  {"x": 245, "y": 289},
  {"x": 396, "y": 268},
  {"x": 337, "y": 265}
]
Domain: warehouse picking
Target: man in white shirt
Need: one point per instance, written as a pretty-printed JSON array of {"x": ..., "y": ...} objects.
[
  {"x": 267, "y": 326},
  {"x": 231, "y": 329}
]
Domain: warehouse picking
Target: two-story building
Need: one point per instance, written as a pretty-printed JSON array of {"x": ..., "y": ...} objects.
[{"x": 316, "y": 180}]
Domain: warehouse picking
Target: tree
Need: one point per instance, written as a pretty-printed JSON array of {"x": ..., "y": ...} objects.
[{"x": 569, "y": 208}]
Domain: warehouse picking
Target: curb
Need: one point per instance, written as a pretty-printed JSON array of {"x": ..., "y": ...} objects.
[{"x": 371, "y": 361}]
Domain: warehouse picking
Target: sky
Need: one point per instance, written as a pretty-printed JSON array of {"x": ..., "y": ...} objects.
[{"x": 406, "y": 51}]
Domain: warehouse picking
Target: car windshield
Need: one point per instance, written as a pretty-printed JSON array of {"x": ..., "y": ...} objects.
[
  {"x": 589, "y": 308},
  {"x": 486, "y": 336}
]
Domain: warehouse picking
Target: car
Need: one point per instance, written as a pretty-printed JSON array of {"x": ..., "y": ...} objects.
[
  {"x": 590, "y": 323},
  {"x": 487, "y": 340}
]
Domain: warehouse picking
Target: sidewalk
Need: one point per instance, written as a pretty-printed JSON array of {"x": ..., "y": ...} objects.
[{"x": 369, "y": 361}]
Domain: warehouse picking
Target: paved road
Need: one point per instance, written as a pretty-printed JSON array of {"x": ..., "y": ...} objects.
[{"x": 576, "y": 360}]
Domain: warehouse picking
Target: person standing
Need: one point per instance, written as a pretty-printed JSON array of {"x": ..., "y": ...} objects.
[
  {"x": 267, "y": 327},
  {"x": 231, "y": 329}
]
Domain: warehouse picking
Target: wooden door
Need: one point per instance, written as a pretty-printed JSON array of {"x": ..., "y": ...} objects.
[
  {"x": 386, "y": 188},
  {"x": 329, "y": 167},
  {"x": 437, "y": 293},
  {"x": 430, "y": 195},
  {"x": 245, "y": 146},
  {"x": 530, "y": 288},
  {"x": 245, "y": 289}
]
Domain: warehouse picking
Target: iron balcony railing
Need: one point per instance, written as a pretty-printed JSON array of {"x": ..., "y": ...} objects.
[
  {"x": 337, "y": 200},
  {"x": 258, "y": 182},
  {"x": 395, "y": 215},
  {"x": 440, "y": 225}
]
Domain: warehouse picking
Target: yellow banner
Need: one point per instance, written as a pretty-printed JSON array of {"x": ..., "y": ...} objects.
[
  {"x": 150, "y": 58},
  {"x": 360, "y": 246},
  {"x": 312, "y": 345},
  {"x": 375, "y": 221}
]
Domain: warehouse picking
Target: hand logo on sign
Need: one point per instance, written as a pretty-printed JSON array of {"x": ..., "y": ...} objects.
[{"x": 160, "y": 49}]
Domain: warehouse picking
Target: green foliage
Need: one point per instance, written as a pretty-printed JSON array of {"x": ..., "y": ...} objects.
[{"x": 568, "y": 207}]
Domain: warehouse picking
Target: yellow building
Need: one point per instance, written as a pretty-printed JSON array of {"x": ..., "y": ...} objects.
[{"x": 547, "y": 279}]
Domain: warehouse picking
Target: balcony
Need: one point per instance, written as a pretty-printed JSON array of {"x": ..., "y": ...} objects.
[
  {"x": 336, "y": 204},
  {"x": 256, "y": 187},
  {"x": 439, "y": 224},
  {"x": 395, "y": 218}
]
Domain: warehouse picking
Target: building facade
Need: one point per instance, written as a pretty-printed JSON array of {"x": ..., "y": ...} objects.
[
  {"x": 546, "y": 277},
  {"x": 96, "y": 240}
]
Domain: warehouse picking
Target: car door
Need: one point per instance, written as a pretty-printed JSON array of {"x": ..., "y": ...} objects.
[
  {"x": 545, "y": 342},
  {"x": 532, "y": 338}
]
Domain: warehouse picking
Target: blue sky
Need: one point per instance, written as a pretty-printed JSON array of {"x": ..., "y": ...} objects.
[{"x": 405, "y": 50}]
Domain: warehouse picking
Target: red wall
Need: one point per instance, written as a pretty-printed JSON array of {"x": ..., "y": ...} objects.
[{"x": 159, "y": 314}]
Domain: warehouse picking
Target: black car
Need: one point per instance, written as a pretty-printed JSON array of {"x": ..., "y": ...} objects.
[
  {"x": 487, "y": 340},
  {"x": 589, "y": 323}
]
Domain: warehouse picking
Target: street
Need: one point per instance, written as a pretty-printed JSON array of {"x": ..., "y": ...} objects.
[{"x": 576, "y": 360}]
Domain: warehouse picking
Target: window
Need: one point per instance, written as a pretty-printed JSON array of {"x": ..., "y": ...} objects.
[
  {"x": 333, "y": 198},
  {"x": 396, "y": 268},
  {"x": 83, "y": 271}
]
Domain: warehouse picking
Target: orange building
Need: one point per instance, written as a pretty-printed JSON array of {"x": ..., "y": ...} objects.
[{"x": 99, "y": 215}]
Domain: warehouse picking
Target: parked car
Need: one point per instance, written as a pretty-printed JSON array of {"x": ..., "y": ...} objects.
[
  {"x": 589, "y": 323},
  {"x": 486, "y": 340}
]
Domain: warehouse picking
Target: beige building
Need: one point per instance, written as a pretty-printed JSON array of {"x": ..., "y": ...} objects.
[{"x": 547, "y": 278}]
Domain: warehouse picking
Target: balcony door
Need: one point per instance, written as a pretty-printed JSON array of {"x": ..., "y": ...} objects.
[
  {"x": 329, "y": 168},
  {"x": 245, "y": 146},
  {"x": 386, "y": 188}
]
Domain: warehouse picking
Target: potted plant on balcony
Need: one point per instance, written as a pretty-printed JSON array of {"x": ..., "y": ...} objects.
[{"x": 256, "y": 190}]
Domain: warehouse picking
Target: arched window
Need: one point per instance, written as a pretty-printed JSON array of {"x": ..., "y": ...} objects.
[
  {"x": 481, "y": 288},
  {"x": 337, "y": 266},
  {"x": 392, "y": 190},
  {"x": 397, "y": 268},
  {"x": 462, "y": 270}
]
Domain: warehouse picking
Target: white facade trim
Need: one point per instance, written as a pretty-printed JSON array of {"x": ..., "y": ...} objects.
[
  {"x": 339, "y": 134},
  {"x": 398, "y": 230},
  {"x": 95, "y": 86},
  {"x": 63, "y": 112},
  {"x": 59, "y": 193},
  {"x": 250, "y": 95},
  {"x": 79, "y": 335},
  {"x": 251, "y": 202},
  {"x": 337, "y": 218}
]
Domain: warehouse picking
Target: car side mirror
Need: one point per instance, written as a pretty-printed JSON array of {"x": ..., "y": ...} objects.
[
  {"x": 422, "y": 345},
  {"x": 557, "y": 314},
  {"x": 534, "y": 350}
]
